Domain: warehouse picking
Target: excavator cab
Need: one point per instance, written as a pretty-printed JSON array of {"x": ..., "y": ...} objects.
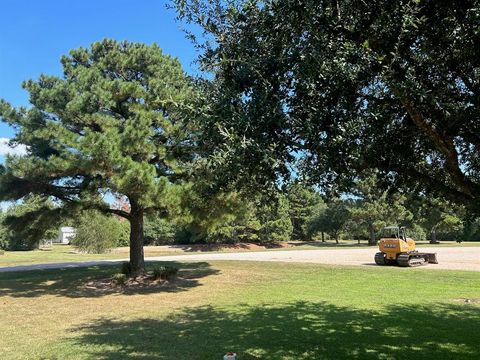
[
  {"x": 394, "y": 232},
  {"x": 398, "y": 249}
]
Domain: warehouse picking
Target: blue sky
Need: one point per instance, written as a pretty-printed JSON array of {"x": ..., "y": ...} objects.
[{"x": 35, "y": 33}]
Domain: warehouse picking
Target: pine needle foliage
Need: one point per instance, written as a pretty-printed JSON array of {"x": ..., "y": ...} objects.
[{"x": 115, "y": 123}]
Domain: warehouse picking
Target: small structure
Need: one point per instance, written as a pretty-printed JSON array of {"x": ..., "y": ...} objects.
[{"x": 64, "y": 235}]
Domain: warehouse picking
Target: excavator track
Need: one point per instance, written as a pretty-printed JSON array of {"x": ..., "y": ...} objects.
[
  {"x": 380, "y": 258},
  {"x": 410, "y": 260}
]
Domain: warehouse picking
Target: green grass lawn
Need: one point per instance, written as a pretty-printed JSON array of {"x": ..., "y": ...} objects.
[
  {"x": 66, "y": 253},
  {"x": 260, "y": 310}
]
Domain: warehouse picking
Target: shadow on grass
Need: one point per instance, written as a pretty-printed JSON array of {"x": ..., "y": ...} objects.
[
  {"x": 71, "y": 282},
  {"x": 300, "y": 331}
]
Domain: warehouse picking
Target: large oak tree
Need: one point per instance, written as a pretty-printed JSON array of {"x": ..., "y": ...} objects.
[
  {"x": 349, "y": 85},
  {"x": 115, "y": 124}
]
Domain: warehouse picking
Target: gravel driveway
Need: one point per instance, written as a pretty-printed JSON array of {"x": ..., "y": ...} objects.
[
  {"x": 453, "y": 258},
  {"x": 449, "y": 258}
]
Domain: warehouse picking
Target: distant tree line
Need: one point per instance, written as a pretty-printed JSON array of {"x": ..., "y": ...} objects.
[{"x": 297, "y": 212}]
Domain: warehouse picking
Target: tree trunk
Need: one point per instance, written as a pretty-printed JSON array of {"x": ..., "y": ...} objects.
[
  {"x": 137, "y": 260},
  {"x": 323, "y": 236},
  {"x": 372, "y": 241},
  {"x": 433, "y": 238},
  {"x": 336, "y": 239}
]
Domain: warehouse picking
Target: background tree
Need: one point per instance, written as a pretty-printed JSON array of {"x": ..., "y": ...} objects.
[
  {"x": 247, "y": 219},
  {"x": 377, "y": 208},
  {"x": 304, "y": 201},
  {"x": 115, "y": 123},
  {"x": 207, "y": 214},
  {"x": 275, "y": 221},
  {"x": 350, "y": 84},
  {"x": 439, "y": 215},
  {"x": 331, "y": 220},
  {"x": 241, "y": 226},
  {"x": 471, "y": 229},
  {"x": 159, "y": 231},
  {"x": 3, "y": 232}
]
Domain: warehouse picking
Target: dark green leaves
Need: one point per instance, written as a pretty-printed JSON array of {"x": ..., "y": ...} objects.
[{"x": 350, "y": 85}]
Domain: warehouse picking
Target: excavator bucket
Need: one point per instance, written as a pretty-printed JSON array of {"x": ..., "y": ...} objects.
[{"x": 432, "y": 258}]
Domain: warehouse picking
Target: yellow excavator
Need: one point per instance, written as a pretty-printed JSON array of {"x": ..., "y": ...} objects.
[{"x": 398, "y": 249}]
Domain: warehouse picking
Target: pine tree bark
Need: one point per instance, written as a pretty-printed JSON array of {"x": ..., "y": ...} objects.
[{"x": 137, "y": 259}]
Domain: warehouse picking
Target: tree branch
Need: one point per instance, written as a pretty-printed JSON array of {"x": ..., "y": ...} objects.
[{"x": 443, "y": 143}]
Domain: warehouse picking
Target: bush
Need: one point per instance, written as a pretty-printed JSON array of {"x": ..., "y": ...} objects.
[
  {"x": 97, "y": 233},
  {"x": 165, "y": 272},
  {"x": 119, "y": 278},
  {"x": 3, "y": 234},
  {"x": 123, "y": 231}
]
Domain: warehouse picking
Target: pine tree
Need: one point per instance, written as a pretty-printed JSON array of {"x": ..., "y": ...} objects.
[
  {"x": 304, "y": 203},
  {"x": 114, "y": 124},
  {"x": 377, "y": 208}
]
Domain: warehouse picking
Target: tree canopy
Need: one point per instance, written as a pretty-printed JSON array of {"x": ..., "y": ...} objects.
[
  {"x": 349, "y": 85},
  {"x": 113, "y": 125},
  {"x": 331, "y": 220}
]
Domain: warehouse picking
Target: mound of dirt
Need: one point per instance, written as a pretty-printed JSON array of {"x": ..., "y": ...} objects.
[{"x": 211, "y": 247}]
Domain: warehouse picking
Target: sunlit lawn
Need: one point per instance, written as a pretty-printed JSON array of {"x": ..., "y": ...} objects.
[{"x": 260, "y": 310}]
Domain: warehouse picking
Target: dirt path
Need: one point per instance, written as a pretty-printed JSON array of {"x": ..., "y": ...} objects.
[{"x": 449, "y": 258}]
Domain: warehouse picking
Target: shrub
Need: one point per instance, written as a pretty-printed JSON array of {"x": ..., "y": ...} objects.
[
  {"x": 119, "y": 278},
  {"x": 122, "y": 233},
  {"x": 97, "y": 233},
  {"x": 3, "y": 234},
  {"x": 165, "y": 272},
  {"x": 126, "y": 268}
]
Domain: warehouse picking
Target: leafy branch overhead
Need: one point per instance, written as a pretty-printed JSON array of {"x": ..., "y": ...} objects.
[{"x": 351, "y": 85}]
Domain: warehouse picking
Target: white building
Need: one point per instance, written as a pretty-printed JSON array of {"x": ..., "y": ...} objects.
[{"x": 64, "y": 235}]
